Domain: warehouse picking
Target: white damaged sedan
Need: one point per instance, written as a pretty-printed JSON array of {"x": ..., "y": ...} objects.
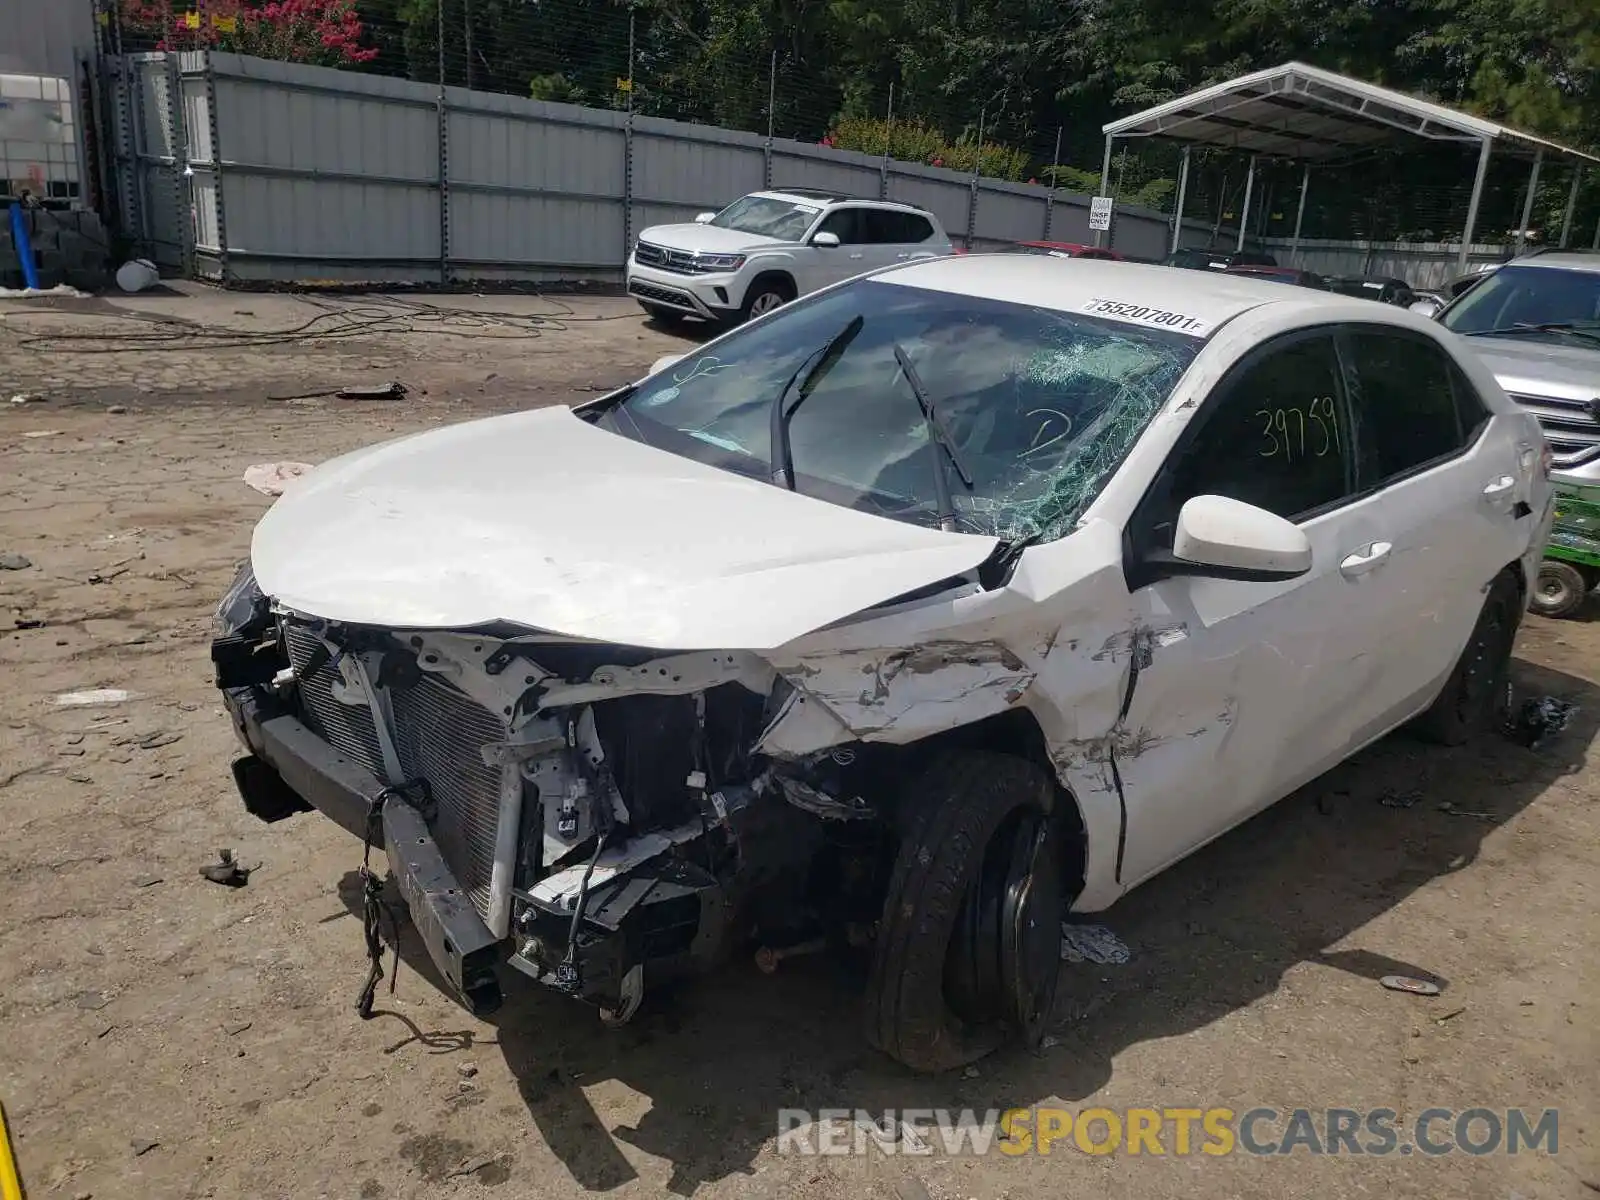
[{"x": 899, "y": 622}]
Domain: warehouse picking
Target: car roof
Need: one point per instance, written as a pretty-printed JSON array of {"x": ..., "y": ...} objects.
[
  {"x": 1072, "y": 285},
  {"x": 1566, "y": 260},
  {"x": 822, "y": 199}
]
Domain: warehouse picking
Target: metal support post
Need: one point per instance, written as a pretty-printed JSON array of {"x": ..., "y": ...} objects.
[
  {"x": 772, "y": 104},
  {"x": 1527, "y": 201},
  {"x": 1050, "y": 196},
  {"x": 1244, "y": 212},
  {"x": 888, "y": 136},
  {"x": 1572, "y": 204},
  {"x": 972, "y": 191},
  {"x": 1105, "y": 180},
  {"x": 1472, "y": 205},
  {"x": 1300, "y": 216},
  {"x": 1183, "y": 194}
]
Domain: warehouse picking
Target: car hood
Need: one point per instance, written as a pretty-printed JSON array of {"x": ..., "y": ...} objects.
[
  {"x": 1536, "y": 367},
  {"x": 711, "y": 239},
  {"x": 543, "y": 520}
]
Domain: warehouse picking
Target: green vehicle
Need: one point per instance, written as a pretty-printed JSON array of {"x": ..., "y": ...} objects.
[{"x": 1571, "y": 567}]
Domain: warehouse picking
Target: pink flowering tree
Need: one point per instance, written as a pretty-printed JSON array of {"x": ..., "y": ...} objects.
[{"x": 324, "y": 32}]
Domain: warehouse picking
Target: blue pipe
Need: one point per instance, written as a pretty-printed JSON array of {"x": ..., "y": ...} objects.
[{"x": 19, "y": 237}]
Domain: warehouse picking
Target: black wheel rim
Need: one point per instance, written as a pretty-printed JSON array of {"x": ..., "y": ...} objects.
[{"x": 1030, "y": 947}]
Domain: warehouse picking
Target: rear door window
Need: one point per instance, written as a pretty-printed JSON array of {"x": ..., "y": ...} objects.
[{"x": 1406, "y": 401}]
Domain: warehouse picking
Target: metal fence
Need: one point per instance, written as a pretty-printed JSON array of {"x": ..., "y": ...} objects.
[
  {"x": 242, "y": 169},
  {"x": 246, "y": 169}
]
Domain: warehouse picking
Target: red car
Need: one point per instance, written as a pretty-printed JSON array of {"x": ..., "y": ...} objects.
[{"x": 1060, "y": 250}]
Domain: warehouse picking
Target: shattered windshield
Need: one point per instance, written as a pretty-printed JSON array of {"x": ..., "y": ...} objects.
[
  {"x": 1040, "y": 406},
  {"x": 1518, "y": 301},
  {"x": 785, "y": 220}
]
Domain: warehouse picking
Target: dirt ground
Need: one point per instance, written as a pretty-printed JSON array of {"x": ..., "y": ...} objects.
[{"x": 161, "y": 1036}]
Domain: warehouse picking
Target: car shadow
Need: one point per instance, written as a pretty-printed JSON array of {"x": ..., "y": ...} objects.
[{"x": 718, "y": 1057}]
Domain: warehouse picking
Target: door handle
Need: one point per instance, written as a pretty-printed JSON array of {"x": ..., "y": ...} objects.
[
  {"x": 902, "y": 256},
  {"x": 855, "y": 256},
  {"x": 1499, "y": 489},
  {"x": 1365, "y": 559}
]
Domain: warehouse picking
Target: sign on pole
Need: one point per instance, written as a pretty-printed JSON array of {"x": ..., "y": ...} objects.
[{"x": 1100, "y": 213}]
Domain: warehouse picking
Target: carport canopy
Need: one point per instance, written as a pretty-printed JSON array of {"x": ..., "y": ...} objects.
[{"x": 1309, "y": 115}]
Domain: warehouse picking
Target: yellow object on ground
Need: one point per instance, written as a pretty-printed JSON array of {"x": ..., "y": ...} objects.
[{"x": 10, "y": 1183}]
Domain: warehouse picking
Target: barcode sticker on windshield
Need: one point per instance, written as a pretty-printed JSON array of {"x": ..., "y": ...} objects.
[{"x": 1143, "y": 314}]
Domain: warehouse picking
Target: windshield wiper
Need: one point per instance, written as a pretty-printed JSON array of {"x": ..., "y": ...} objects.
[
  {"x": 803, "y": 380},
  {"x": 940, "y": 436},
  {"x": 1540, "y": 327}
]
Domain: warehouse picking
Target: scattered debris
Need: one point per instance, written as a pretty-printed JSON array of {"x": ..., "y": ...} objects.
[
  {"x": 1447, "y": 807},
  {"x": 909, "y": 1187},
  {"x": 142, "y": 1146},
  {"x": 24, "y": 398},
  {"x": 467, "y": 1070},
  {"x": 1449, "y": 1016},
  {"x": 1392, "y": 798},
  {"x": 14, "y": 562},
  {"x": 271, "y": 478},
  {"x": 1049, "y": 1042},
  {"x": 41, "y": 433},
  {"x": 92, "y": 697},
  {"x": 1092, "y": 943},
  {"x": 1406, "y": 983},
  {"x": 969, "y": 1072},
  {"x": 144, "y": 881},
  {"x": 93, "y": 1001},
  {"x": 383, "y": 391},
  {"x": 236, "y": 1028},
  {"x": 161, "y": 737},
  {"x": 1538, "y": 719},
  {"x": 227, "y": 870},
  {"x": 117, "y": 410}
]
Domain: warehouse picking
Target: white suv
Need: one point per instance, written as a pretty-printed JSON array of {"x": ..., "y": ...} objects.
[{"x": 768, "y": 248}]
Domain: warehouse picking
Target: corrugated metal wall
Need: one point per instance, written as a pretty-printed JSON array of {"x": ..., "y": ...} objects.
[
  {"x": 272, "y": 170},
  {"x": 240, "y": 168}
]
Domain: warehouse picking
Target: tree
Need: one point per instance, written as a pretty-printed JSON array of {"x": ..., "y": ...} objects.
[{"x": 324, "y": 32}]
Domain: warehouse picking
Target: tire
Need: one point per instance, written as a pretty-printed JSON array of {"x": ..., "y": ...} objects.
[
  {"x": 1474, "y": 696},
  {"x": 765, "y": 294},
  {"x": 662, "y": 316},
  {"x": 977, "y": 816},
  {"x": 1559, "y": 590}
]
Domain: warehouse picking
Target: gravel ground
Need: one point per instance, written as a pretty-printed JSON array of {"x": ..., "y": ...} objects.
[{"x": 163, "y": 1036}]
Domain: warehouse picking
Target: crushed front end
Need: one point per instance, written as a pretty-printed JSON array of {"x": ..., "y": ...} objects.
[{"x": 590, "y": 815}]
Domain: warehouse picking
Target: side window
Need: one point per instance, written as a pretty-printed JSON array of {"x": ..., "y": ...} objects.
[
  {"x": 846, "y": 223},
  {"x": 883, "y": 226},
  {"x": 917, "y": 229},
  {"x": 1470, "y": 409},
  {"x": 1404, "y": 402},
  {"x": 1274, "y": 437}
]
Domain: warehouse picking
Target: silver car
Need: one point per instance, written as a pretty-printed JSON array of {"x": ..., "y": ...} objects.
[{"x": 1536, "y": 323}]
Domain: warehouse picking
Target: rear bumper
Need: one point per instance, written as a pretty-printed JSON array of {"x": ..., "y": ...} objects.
[{"x": 286, "y": 756}]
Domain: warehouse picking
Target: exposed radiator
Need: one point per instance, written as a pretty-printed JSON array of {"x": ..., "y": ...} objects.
[{"x": 439, "y": 733}]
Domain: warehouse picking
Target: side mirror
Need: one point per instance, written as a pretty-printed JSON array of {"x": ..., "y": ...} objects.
[
  {"x": 826, "y": 240},
  {"x": 1427, "y": 306},
  {"x": 704, "y": 218},
  {"x": 662, "y": 363},
  {"x": 1221, "y": 538},
  {"x": 1239, "y": 540}
]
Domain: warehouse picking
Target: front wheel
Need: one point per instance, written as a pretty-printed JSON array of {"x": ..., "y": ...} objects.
[
  {"x": 969, "y": 948},
  {"x": 765, "y": 295},
  {"x": 1559, "y": 590},
  {"x": 1475, "y": 694}
]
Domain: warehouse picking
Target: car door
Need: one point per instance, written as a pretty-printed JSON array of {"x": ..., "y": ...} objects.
[
  {"x": 1245, "y": 690},
  {"x": 1453, "y": 484},
  {"x": 853, "y": 255},
  {"x": 907, "y": 235}
]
